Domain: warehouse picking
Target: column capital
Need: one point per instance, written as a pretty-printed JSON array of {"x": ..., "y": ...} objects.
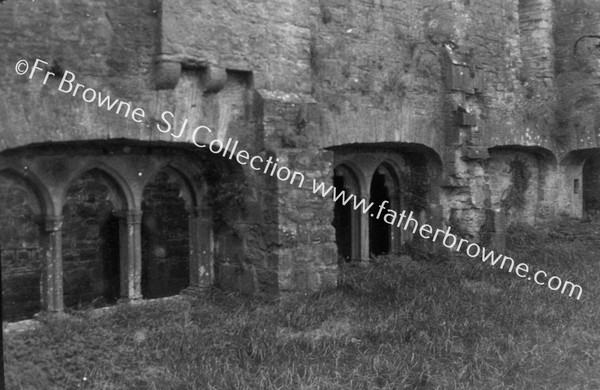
[
  {"x": 53, "y": 223},
  {"x": 131, "y": 217}
]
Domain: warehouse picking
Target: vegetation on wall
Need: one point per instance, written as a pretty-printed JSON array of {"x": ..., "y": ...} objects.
[
  {"x": 519, "y": 182},
  {"x": 419, "y": 189},
  {"x": 394, "y": 84},
  {"x": 225, "y": 197}
]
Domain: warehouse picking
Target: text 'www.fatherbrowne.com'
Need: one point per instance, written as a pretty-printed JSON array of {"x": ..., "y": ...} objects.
[
  {"x": 448, "y": 239},
  {"x": 269, "y": 166}
]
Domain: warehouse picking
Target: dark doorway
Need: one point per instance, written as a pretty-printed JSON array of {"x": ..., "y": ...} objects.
[
  {"x": 379, "y": 230},
  {"x": 110, "y": 253},
  {"x": 165, "y": 236},
  {"x": 91, "y": 261},
  {"x": 342, "y": 222},
  {"x": 591, "y": 187}
]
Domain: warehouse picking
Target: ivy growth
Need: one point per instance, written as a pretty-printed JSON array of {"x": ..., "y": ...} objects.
[
  {"x": 520, "y": 176},
  {"x": 226, "y": 198},
  {"x": 419, "y": 190}
]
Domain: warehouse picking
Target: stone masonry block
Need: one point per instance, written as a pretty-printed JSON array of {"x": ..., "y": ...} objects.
[
  {"x": 330, "y": 254},
  {"x": 475, "y": 153},
  {"x": 213, "y": 79},
  {"x": 166, "y": 74},
  {"x": 329, "y": 277},
  {"x": 453, "y": 136},
  {"x": 465, "y": 119},
  {"x": 227, "y": 276}
]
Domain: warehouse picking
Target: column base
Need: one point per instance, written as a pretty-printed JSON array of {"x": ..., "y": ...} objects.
[
  {"x": 131, "y": 301},
  {"x": 41, "y": 315}
]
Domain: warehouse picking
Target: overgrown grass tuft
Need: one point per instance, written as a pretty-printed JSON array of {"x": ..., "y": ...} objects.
[{"x": 398, "y": 324}]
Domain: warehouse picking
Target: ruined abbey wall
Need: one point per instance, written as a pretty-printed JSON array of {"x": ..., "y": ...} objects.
[{"x": 473, "y": 114}]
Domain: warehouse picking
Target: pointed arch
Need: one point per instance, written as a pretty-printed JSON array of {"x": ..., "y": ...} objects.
[
  {"x": 389, "y": 170},
  {"x": 21, "y": 217},
  {"x": 38, "y": 187},
  {"x": 120, "y": 186},
  {"x": 191, "y": 193},
  {"x": 384, "y": 190}
]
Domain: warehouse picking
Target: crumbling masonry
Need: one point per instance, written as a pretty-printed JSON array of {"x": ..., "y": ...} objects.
[{"x": 474, "y": 114}]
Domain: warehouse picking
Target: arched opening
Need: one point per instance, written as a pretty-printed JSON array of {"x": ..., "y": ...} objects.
[
  {"x": 165, "y": 235},
  {"x": 91, "y": 247},
  {"x": 381, "y": 168},
  {"x": 591, "y": 187},
  {"x": 576, "y": 197},
  {"x": 383, "y": 237},
  {"x": 20, "y": 213},
  {"x": 346, "y": 219}
]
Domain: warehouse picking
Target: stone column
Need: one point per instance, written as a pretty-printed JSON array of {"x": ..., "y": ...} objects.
[
  {"x": 364, "y": 230},
  {"x": 130, "y": 239},
  {"x": 52, "y": 278},
  {"x": 395, "y": 232},
  {"x": 201, "y": 250}
]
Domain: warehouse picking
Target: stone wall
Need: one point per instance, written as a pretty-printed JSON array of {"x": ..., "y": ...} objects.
[
  {"x": 376, "y": 75},
  {"x": 577, "y": 74},
  {"x": 445, "y": 81},
  {"x": 20, "y": 250},
  {"x": 379, "y": 70},
  {"x": 514, "y": 179},
  {"x": 269, "y": 39},
  {"x": 306, "y": 238},
  {"x": 536, "y": 22},
  {"x": 108, "y": 45},
  {"x": 576, "y": 36},
  {"x": 536, "y": 75}
]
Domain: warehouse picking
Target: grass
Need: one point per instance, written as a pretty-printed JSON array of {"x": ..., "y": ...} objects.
[{"x": 399, "y": 324}]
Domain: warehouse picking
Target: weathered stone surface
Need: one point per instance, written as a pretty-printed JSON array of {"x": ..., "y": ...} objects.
[
  {"x": 166, "y": 74},
  {"x": 315, "y": 85},
  {"x": 577, "y": 74},
  {"x": 20, "y": 249}
]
